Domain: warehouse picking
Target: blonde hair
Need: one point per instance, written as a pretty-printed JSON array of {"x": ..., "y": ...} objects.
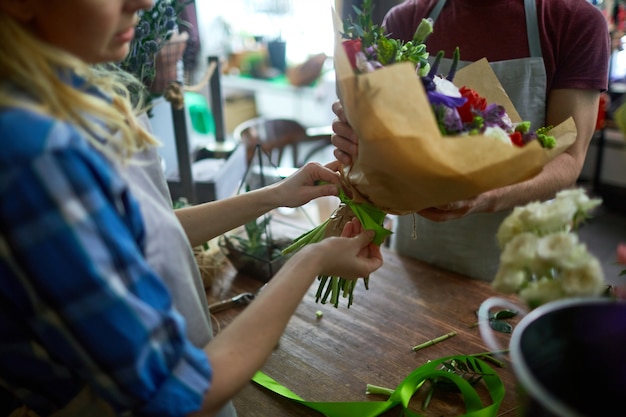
[{"x": 43, "y": 72}]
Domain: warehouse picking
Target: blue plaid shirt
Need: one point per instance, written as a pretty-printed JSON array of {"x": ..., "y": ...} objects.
[{"x": 79, "y": 305}]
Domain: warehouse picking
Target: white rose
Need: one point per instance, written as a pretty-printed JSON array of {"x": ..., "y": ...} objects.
[
  {"x": 579, "y": 198},
  {"x": 540, "y": 292},
  {"x": 576, "y": 258},
  {"x": 555, "y": 247},
  {"x": 587, "y": 280},
  {"x": 509, "y": 280},
  {"x": 549, "y": 217},
  {"x": 511, "y": 226},
  {"x": 521, "y": 251}
]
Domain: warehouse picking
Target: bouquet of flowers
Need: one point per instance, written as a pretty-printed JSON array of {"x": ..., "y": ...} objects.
[
  {"x": 413, "y": 152},
  {"x": 542, "y": 259},
  {"x": 425, "y": 139}
]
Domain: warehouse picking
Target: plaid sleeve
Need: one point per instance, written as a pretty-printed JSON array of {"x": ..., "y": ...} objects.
[{"x": 81, "y": 283}]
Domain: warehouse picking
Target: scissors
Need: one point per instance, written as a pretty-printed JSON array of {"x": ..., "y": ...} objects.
[{"x": 242, "y": 299}]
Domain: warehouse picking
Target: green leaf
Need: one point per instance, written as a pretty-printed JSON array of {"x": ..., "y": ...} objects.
[
  {"x": 500, "y": 326},
  {"x": 386, "y": 51},
  {"x": 505, "y": 314}
]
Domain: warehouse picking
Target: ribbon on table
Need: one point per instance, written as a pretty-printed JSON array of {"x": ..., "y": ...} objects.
[{"x": 405, "y": 390}]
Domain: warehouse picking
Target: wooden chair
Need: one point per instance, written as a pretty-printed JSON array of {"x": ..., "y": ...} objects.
[{"x": 281, "y": 139}]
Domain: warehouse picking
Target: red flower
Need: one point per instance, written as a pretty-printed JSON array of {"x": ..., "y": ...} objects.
[
  {"x": 517, "y": 139},
  {"x": 352, "y": 46},
  {"x": 474, "y": 102}
]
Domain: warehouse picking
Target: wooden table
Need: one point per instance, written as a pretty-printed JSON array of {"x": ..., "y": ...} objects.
[{"x": 332, "y": 358}]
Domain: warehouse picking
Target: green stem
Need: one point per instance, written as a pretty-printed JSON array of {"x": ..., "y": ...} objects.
[
  {"x": 488, "y": 356},
  {"x": 492, "y": 352},
  {"x": 429, "y": 396},
  {"x": 434, "y": 341},
  {"x": 375, "y": 389}
]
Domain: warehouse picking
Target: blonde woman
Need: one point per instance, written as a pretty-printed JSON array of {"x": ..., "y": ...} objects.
[{"x": 100, "y": 308}]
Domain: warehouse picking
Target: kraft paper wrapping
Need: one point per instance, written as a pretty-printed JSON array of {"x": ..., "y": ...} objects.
[{"x": 404, "y": 163}]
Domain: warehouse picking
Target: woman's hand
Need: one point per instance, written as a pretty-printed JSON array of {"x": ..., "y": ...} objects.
[
  {"x": 344, "y": 138},
  {"x": 352, "y": 255},
  {"x": 304, "y": 185}
]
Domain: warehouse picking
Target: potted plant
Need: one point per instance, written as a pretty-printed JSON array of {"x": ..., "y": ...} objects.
[
  {"x": 157, "y": 38},
  {"x": 253, "y": 251},
  {"x": 276, "y": 11}
]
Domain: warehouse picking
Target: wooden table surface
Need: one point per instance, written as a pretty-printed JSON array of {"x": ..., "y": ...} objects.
[{"x": 332, "y": 358}]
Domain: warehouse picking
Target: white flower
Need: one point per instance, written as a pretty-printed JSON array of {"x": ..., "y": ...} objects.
[
  {"x": 362, "y": 64},
  {"x": 556, "y": 215},
  {"x": 446, "y": 87},
  {"x": 509, "y": 280},
  {"x": 548, "y": 217},
  {"x": 579, "y": 198},
  {"x": 586, "y": 280},
  {"x": 520, "y": 252},
  {"x": 497, "y": 133},
  {"x": 511, "y": 226},
  {"x": 560, "y": 248},
  {"x": 541, "y": 292},
  {"x": 542, "y": 258}
]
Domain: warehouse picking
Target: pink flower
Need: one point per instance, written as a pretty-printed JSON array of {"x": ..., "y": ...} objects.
[
  {"x": 619, "y": 291},
  {"x": 621, "y": 253}
]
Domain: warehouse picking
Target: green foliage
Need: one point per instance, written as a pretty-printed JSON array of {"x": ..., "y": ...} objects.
[
  {"x": 378, "y": 47},
  {"x": 257, "y": 241},
  {"x": 363, "y": 26},
  {"x": 154, "y": 28}
]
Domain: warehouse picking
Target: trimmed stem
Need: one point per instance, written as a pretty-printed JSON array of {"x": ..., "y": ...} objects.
[
  {"x": 375, "y": 389},
  {"x": 433, "y": 341}
]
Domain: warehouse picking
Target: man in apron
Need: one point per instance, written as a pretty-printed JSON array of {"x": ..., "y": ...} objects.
[{"x": 540, "y": 74}]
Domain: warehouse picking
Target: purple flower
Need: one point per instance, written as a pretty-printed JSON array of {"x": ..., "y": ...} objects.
[
  {"x": 448, "y": 119},
  {"x": 495, "y": 115},
  {"x": 437, "y": 98}
]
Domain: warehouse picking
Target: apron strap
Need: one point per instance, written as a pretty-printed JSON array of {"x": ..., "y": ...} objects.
[
  {"x": 434, "y": 14},
  {"x": 532, "y": 28}
]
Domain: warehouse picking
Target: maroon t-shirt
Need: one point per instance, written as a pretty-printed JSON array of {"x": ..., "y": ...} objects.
[{"x": 574, "y": 35}]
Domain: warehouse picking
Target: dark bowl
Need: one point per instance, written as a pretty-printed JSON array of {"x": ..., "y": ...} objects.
[{"x": 569, "y": 357}]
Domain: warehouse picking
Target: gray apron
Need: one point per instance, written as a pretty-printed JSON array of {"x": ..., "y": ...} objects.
[
  {"x": 168, "y": 251},
  {"x": 468, "y": 245}
]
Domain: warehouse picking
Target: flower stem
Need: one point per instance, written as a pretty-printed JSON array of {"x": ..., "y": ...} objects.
[
  {"x": 488, "y": 356},
  {"x": 433, "y": 341},
  {"x": 375, "y": 389}
]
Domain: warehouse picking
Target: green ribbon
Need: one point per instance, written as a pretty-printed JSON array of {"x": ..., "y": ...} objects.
[
  {"x": 403, "y": 393},
  {"x": 370, "y": 217}
]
